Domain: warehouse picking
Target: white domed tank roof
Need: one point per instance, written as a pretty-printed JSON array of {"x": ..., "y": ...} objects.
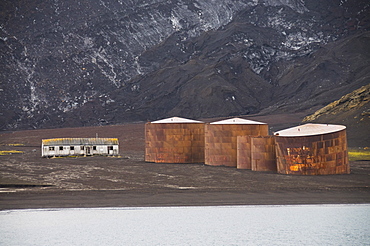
[
  {"x": 175, "y": 120},
  {"x": 309, "y": 130},
  {"x": 237, "y": 121}
]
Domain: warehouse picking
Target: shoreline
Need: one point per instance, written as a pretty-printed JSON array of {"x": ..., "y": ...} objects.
[{"x": 104, "y": 199}]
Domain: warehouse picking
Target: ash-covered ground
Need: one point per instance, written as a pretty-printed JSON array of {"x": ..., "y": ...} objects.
[{"x": 29, "y": 181}]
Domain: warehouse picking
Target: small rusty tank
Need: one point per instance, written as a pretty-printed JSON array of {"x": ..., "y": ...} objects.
[{"x": 263, "y": 154}]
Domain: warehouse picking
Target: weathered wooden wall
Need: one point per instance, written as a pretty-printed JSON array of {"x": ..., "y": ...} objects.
[
  {"x": 313, "y": 155},
  {"x": 263, "y": 154},
  {"x": 221, "y": 141},
  {"x": 174, "y": 142}
]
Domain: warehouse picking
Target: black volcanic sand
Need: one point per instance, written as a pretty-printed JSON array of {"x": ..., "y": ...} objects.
[{"x": 29, "y": 181}]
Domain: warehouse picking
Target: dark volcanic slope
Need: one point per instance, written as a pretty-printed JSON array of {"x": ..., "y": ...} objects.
[
  {"x": 226, "y": 87},
  {"x": 73, "y": 63}
]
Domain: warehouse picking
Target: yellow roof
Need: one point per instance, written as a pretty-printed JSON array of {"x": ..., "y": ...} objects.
[{"x": 80, "y": 141}]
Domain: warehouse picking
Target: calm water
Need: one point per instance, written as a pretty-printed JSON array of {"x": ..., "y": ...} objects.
[{"x": 222, "y": 225}]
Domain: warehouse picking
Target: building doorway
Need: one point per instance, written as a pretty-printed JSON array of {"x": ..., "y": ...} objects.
[{"x": 88, "y": 150}]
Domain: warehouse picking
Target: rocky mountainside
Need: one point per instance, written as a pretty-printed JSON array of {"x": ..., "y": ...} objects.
[
  {"x": 76, "y": 63},
  {"x": 352, "y": 110}
]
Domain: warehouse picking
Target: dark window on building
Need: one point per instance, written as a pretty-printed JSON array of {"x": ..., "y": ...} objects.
[
  {"x": 72, "y": 148},
  {"x": 51, "y": 148},
  {"x": 82, "y": 147},
  {"x": 60, "y": 147},
  {"x": 94, "y": 147},
  {"x": 110, "y": 147}
]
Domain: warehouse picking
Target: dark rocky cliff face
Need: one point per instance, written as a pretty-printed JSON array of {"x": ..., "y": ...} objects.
[{"x": 74, "y": 63}]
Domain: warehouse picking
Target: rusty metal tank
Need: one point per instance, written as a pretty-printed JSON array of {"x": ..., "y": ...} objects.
[
  {"x": 221, "y": 139},
  {"x": 312, "y": 149},
  {"x": 263, "y": 154},
  {"x": 174, "y": 140}
]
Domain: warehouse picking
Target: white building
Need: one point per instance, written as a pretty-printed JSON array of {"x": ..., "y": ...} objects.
[{"x": 79, "y": 146}]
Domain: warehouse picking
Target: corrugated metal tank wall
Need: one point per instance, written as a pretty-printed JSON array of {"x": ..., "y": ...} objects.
[
  {"x": 263, "y": 154},
  {"x": 174, "y": 142},
  {"x": 221, "y": 141},
  {"x": 243, "y": 153},
  {"x": 313, "y": 155}
]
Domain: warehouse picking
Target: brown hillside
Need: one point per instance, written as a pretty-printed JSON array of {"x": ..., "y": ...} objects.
[{"x": 352, "y": 110}]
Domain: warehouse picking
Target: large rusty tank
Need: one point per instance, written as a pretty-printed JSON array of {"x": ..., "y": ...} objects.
[
  {"x": 312, "y": 149},
  {"x": 174, "y": 140},
  {"x": 221, "y": 139}
]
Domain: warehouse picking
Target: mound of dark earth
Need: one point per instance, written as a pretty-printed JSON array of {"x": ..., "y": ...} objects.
[{"x": 78, "y": 63}]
